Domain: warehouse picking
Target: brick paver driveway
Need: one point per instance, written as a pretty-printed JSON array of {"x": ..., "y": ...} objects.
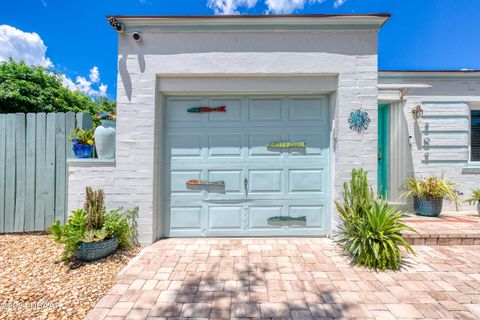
[{"x": 290, "y": 279}]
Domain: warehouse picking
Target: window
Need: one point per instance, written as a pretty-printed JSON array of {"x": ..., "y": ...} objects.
[{"x": 475, "y": 135}]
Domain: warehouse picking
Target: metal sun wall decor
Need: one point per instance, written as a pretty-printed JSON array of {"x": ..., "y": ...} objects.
[
  {"x": 204, "y": 109},
  {"x": 287, "y": 144},
  {"x": 359, "y": 120}
]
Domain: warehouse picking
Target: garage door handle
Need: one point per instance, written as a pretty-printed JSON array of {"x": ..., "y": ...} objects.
[{"x": 245, "y": 184}]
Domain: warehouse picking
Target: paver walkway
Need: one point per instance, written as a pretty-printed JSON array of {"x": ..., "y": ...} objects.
[{"x": 290, "y": 279}]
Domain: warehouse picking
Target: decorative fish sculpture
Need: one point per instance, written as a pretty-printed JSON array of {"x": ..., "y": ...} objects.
[
  {"x": 287, "y": 221},
  {"x": 286, "y": 144},
  {"x": 195, "y": 182},
  {"x": 207, "y": 109}
]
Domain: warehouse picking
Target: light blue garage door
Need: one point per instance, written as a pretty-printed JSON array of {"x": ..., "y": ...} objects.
[{"x": 267, "y": 190}]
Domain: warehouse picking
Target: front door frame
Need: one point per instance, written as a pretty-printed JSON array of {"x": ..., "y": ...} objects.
[{"x": 383, "y": 151}]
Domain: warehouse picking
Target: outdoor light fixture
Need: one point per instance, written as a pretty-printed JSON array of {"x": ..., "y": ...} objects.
[
  {"x": 117, "y": 25},
  {"x": 417, "y": 112},
  {"x": 137, "y": 37}
]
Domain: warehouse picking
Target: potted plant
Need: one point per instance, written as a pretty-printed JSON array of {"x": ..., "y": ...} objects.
[
  {"x": 93, "y": 233},
  {"x": 105, "y": 135},
  {"x": 83, "y": 141},
  {"x": 475, "y": 198},
  {"x": 428, "y": 194}
]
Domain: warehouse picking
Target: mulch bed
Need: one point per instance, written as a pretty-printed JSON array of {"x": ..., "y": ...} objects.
[{"x": 35, "y": 284}]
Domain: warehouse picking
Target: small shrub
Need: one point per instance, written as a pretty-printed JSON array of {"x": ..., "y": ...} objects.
[
  {"x": 370, "y": 229},
  {"x": 475, "y": 197},
  {"x": 94, "y": 223}
]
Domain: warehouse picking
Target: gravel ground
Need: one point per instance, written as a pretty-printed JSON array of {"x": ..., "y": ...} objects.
[{"x": 35, "y": 284}]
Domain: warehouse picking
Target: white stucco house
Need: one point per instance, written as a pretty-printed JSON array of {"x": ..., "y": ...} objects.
[{"x": 292, "y": 79}]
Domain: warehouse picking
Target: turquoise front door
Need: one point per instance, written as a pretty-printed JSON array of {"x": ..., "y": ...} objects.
[
  {"x": 383, "y": 167},
  {"x": 257, "y": 190}
]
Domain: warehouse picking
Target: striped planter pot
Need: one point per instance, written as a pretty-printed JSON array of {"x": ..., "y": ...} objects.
[
  {"x": 428, "y": 207},
  {"x": 96, "y": 250}
]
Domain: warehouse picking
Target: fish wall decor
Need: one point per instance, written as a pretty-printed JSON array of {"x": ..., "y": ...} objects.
[
  {"x": 286, "y": 144},
  {"x": 195, "y": 182},
  {"x": 203, "y": 109},
  {"x": 284, "y": 221}
]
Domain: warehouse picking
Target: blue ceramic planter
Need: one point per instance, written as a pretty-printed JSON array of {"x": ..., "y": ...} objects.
[
  {"x": 428, "y": 207},
  {"x": 82, "y": 151},
  {"x": 92, "y": 251}
]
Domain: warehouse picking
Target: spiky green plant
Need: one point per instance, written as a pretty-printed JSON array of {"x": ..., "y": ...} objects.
[
  {"x": 475, "y": 197},
  {"x": 374, "y": 240},
  {"x": 370, "y": 228},
  {"x": 358, "y": 196},
  {"x": 431, "y": 188},
  {"x": 94, "y": 208}
]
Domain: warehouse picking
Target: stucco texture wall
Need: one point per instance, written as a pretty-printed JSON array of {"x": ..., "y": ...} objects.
[{"x": 351, "y": 56}]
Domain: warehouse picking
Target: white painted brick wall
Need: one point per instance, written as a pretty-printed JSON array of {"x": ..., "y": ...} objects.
[
  {"x": 352, "y": 56},
  {"x": 446, "y": 98}
]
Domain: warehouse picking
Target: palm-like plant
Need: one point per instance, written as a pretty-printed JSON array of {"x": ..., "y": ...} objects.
[
  {"x": 370, "y": 229},
  {"x": 475, "y": 197},
  {"x": 374, "y": 241},
  {"x": 431, "y": 188}
]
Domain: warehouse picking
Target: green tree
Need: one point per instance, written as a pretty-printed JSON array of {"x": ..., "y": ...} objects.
[{"x": 25, "y": 88}]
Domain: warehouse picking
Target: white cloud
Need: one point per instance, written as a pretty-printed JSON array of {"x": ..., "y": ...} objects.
[
  {"x": 230, "y": 6},
  {"x": 68, "y": 83},
  {"x": 94, "y": 74},
  {"x": 25, "y": 46},
  {"x": 103, "y": 89},
  {"x": 29, "y": 47},
  {"x": 87, "y": 86},
  {"x": 287, "y": 6},
  {"x": 273, "y": 6}
]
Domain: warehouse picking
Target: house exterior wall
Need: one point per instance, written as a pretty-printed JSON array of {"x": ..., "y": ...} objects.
[
  {"x": 134, "y": 180},
  {"x": 445, "y": 122}
]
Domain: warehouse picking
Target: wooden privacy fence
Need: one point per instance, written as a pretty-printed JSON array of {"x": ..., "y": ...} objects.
[{"x": 33, "y": 168}]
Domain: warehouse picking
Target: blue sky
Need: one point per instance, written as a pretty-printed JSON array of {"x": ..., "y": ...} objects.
[{"x": 422, "y": 34}]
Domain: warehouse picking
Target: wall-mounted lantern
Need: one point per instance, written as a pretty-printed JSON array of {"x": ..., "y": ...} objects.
[{"x": 417, "y": 112}]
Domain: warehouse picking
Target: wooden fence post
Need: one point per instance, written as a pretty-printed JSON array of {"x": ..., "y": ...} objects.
[
  {"x": 30, "y": 173},
  {"x": 40, "y": 171},
  {"x": 3, "y": 119},
  {"x": 20, "y": 173}
]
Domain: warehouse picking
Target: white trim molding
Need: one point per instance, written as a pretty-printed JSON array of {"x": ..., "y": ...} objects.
[{"x": 252, "y": 23}]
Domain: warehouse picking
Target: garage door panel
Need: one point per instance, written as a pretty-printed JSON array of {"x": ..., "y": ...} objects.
[
  {"x": 265, "y": 110},
  {"x": 258, "y": 141},
  {"x": 178, "y": 181},
  {"x": 225, "y": 217},
  {"x": 185, "y": 218},
  {"x": 259, "y": 216},
  {"x": 314, "y": 214},
  {"x": 225, "y": 145},
  {"x": 234, "y": 110},
  {"x": 177, "y": 110},
  {"x": 265, "y": 181},
  {"x": 184, "y": 145},
  {"x": 316, "y": 144},
  {"x": 306, "y": 181},
  {"x": 232, "y": 178},
  {"x": 307, "y": 110}
]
